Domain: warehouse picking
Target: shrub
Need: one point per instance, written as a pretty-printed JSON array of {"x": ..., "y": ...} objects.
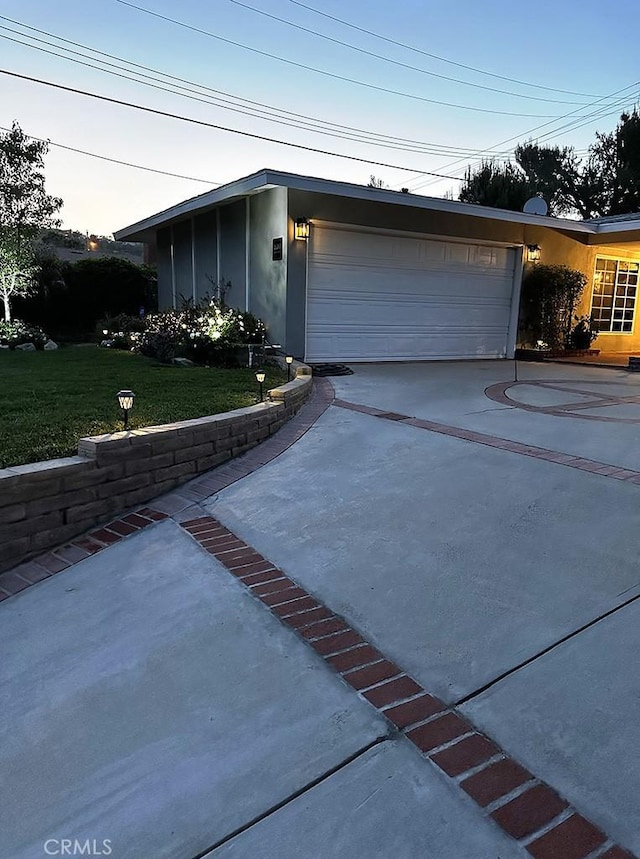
[
  {"x": 17, "y": 332},
  {"x": 208, "y": 333},
  {"x": 70, "y": 298},
  {"x": 583, "y": 333},
  {"x": 549, "y": 296}
]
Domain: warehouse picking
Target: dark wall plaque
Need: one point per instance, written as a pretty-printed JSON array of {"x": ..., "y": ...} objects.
[{"x": 277, "y": 249}]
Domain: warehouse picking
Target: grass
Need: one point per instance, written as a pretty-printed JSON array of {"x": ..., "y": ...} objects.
[{"x": 49, "y": 400}]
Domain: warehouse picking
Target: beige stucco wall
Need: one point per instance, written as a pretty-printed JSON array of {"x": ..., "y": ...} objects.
[{"x": 556, "y": 249}]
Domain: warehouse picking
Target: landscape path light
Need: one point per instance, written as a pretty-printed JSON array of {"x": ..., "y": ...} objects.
[
  {"x": 125, "y": 401},
  {"x": 289, "y": 360},
  {"x": 260, "y": 377}
]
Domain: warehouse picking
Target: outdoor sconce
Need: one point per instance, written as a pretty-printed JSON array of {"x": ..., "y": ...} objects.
[
  {"x": 260, "y": 377},
  {"x": 125, "y": 401},
  {"x": 289, "y": 360},
  {"x": 301, "y": 229},
  {"x": 533, "y": 253}
]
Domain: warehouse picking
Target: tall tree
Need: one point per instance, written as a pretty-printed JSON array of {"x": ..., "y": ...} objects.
[
  {"x": 499, "y": 186},
  {"x": 606, "y": 182},
  {"x": 25, "y": 208}
]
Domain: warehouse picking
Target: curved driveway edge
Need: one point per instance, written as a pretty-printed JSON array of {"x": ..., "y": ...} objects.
[{"x": 37, "y": 569}]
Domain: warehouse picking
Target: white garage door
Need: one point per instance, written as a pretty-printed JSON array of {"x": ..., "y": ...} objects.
[{"x": 380, "y": 297}]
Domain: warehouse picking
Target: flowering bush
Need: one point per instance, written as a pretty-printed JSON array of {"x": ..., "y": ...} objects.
[
  {"x": 17, "y": 332},
  {"x": 120, "y": 332},
  {"x": 207, "y": 332}
]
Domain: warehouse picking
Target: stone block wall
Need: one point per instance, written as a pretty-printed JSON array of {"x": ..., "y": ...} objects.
[{"x": 47, "y": 503}]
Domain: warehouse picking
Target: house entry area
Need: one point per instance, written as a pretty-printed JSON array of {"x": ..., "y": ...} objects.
[{"x": 374, "y": 296}]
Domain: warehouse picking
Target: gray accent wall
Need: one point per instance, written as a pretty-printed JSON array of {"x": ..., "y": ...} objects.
[
  {"x": 268, "y": 277},
  {"x": 182, "y": 261},
  {"x": 232, "y": 251},
  {"x": 163, "y": 261},
  {"x": 206, "y": 253}
]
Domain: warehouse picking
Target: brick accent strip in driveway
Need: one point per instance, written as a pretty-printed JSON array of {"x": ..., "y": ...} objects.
[
  {"x": 601, "y": 468},
  {"x": 525, "y": 808}
]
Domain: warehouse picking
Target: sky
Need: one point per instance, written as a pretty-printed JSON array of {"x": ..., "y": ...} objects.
[{"x": 546, "y": 71}]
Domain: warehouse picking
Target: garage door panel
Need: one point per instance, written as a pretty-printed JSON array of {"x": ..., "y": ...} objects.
[
  {"x": 333, "y": 309},
  {"x": 402, "y": 346},
  {"x": 377, "y": 297}
]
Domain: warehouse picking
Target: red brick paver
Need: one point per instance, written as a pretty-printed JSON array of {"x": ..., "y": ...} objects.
[{"x": 519, "y": 803}]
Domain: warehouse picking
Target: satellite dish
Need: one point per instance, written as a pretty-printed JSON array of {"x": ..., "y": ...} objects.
[{"x": 535, "y": 206}]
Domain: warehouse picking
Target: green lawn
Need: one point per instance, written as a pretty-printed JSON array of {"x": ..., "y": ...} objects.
[{"x": 48, "y": 400}]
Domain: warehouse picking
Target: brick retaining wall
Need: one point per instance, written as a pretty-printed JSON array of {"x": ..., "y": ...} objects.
[{"x": 47, "y": 503}]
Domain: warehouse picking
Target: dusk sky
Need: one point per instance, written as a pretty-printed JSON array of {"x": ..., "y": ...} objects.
[{"x": 568, "y": 58}]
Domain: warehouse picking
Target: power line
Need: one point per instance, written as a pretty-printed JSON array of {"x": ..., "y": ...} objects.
[
  {"x": 399, "y": 63},
  {"x": 361, "y": 135},
  {"x": 326, "y": 73},
  {"x": 115, "y": 160},
  {"x": 436, "y": 56},
  {"x": 205, "y": 124},
  {"x": 577, "y": 122}
]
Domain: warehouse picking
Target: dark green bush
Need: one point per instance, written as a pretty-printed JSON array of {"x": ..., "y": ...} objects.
[
  {"x": 583, "y": 333},
  {"x": 549, "y": 296},
  {"x": 70, "y": 298}
]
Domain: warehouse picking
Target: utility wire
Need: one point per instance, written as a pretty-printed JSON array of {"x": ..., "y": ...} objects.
[
  {"x": 385, "y": 141},
  {"x": 399, "y": 63},
  {"x": 204, "y": 124},
  {"x": 326, "y": 73},
  {"x": 436, "y": 56},
  {"x": 576, "y": 122},
  {"x": 115, "y": 160}
]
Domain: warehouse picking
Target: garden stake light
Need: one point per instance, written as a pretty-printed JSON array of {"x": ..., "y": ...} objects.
[
  {"x": 260, "y": 377},
  {"x": 289, "y": 360},
  {"x": 125, "y": 401}
]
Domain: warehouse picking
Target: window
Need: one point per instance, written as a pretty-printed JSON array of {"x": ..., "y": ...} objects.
[{"x": 615, "y": 282}]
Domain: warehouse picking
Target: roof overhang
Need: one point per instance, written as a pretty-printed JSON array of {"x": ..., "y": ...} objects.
[{"x": 263, "y": 180}]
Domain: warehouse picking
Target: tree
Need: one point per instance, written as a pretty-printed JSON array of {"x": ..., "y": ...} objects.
[
  {"x": 501, "y": 187},
  {"x": 606, "y": 182},
  {"x": 25, "y": 208}
]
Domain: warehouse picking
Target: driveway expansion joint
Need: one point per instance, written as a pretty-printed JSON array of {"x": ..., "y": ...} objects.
[{"x": 513, "y": 798}]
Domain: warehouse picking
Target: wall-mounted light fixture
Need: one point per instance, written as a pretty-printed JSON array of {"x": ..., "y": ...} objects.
[
  {"x": 260, "y": 377},
  {"x": 533, "y": 253},
  {"x": 125, "y": 401},
  {"x": 289, "y": 360},
  {"x": 301, "y": 229}
]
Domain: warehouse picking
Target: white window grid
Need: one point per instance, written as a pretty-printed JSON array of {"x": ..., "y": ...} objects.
[{"x": 613, "y": 300}]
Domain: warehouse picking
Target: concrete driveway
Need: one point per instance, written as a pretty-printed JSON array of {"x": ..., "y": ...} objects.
[{"x": 154, "y": 702}]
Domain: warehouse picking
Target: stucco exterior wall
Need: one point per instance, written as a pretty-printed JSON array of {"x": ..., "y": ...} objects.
[
  {"x": 163, "y": 244},
  {"x": 182, "y": 261},
  {"x": 205, "y": 253},
  {"x": 233, "y": 262},
  {"x": 557, "y": 249},
  {"x": 268, "y": 277}
]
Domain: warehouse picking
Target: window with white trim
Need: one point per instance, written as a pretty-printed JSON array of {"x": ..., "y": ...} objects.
[{"x": 613, "y": 302}]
